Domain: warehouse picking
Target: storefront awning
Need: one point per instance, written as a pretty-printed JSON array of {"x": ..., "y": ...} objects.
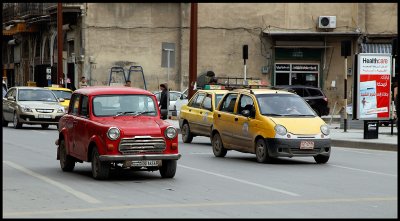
[{"x": 376, "y": 48}]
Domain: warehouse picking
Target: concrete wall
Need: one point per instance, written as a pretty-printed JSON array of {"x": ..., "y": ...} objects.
[
  {"x": 131, "y": 33},
  {"x": 134, "y": 32}
]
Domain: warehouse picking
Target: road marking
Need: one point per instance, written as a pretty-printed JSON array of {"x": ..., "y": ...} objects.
[
  {"x": 196, "y": 153},
  {"x": 42, "y": 132},
  {"x": 208, "y": 204},
  {"x": 241, "y": 181},
  {"x": 367, "y": 171},
  {"x": 364, "y": 151},
  {"x": 66, "y": 188}
]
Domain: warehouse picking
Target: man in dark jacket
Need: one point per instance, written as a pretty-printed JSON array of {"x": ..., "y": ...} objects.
[{"x": 164, "y": 101}]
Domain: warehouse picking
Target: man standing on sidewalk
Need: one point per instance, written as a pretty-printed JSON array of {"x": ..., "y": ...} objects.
[{"x": 164, "y": 101}]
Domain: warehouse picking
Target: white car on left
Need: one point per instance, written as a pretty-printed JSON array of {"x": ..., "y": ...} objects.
[{"x": 31, "y": 105}]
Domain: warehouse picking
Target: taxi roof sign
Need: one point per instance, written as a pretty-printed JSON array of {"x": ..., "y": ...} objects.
[{"x": 213, "y": 87}]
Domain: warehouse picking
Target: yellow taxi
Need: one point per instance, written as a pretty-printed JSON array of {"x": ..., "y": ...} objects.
[
  {"x": 269, "y": 123},
  {"x": 196, "y": 117},
  {"x": 64, "y": 93}
]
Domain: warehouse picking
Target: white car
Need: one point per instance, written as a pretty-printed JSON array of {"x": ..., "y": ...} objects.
[{"x": 176, "y": 100}]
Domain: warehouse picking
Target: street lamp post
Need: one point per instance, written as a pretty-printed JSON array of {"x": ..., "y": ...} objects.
[{"x": 169, "y": 50}]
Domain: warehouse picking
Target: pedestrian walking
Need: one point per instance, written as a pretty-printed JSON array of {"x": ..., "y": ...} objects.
[{"x": 164, "y": 101}]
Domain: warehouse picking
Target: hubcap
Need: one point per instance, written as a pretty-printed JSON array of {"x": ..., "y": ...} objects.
[
  {"x": 15, "y": 120},
  {"x": 184, "y": 131},
  {"x": 216, "y": 144},
  {"x": 260, "y": 150}
]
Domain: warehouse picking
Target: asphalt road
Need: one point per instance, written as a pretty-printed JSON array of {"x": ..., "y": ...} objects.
[{"x": 355, "y": 183}]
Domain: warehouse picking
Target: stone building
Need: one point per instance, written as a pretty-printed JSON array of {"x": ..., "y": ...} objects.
[{"x": 288, "y": 43}]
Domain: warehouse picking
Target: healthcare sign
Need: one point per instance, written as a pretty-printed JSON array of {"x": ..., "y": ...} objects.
[{"x": 374, "y": 82}]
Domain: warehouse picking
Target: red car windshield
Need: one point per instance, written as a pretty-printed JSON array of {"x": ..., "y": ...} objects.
[{"x": 121, "y": 104}]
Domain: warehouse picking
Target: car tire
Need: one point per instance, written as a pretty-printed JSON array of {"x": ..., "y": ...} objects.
[
  {"x": 100, "y": 170},
  {"x": 168, "y": 168},
  {"x": 187, "y": 136},
  {"x": 45, "y": 126},
  {"x": 67, "y": 162},
  {"x": 17, "y": 124},
  {"x": 218, "y": 146},
  {"x": 4, "y": 122},
  {"x": 321, "y": 159},
  {"x": 261, "y": 150}
]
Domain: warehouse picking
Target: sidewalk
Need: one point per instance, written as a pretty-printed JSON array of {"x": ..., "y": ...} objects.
[{"x": 353, "y": 138}]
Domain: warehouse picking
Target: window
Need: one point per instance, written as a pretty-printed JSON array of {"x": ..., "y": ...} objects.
[
  {"x": 228, "y": 104},
  {"x": 207, "y": 102},
  {"x": 245, "y": 103},
  {"x": 74, "y": 106},
  {"x": 85, "y": 106},
  {"x": 198, "y": 100},
  {"x": 314, "y": 92}
]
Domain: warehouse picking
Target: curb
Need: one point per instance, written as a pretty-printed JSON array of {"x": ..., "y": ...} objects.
[{"x": 364, "y": 145}]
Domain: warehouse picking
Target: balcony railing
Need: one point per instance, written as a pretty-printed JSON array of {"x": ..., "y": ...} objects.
[{"x": 19, "y": 11}]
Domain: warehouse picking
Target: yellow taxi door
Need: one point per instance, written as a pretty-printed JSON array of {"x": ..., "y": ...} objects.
[
  {"x": 241, "y": 134},
  {"x": 207, "y": 116},
  {"x": 195, "y": 114},
  {"x": 226, "y": 119}
]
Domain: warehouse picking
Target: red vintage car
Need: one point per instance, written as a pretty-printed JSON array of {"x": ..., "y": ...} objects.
[{"x": 116, "y": 128}]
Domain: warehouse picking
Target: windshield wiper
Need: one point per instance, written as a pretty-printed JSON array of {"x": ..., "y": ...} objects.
[
  {"x": 143, "y": 112},
  {"x": 271, "y": 114},
  {"x": 124, "y": 113},
  {"x": 302, "y": 115}
]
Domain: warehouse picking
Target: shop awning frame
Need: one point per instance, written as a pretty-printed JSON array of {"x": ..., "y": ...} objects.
[{"x": 376, "y": 48}]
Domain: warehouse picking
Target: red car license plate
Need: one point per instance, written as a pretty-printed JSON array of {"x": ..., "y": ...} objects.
[{"x": 307, "y": 145}]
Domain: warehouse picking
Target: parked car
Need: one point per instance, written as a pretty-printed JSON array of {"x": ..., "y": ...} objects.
[
  {"x": 196, "y": 117},
  {"x": 64, "y": 93},
  {"x": 31, "y": 105},
  {"x": 173, "y": 97},
  {"x": 269, "y": 123},
  {"x": 116, "y": 128},
  {"x": 314, "y": 96}
]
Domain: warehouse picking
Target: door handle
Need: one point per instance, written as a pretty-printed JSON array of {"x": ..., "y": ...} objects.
[{"x": 236, "y": 119}]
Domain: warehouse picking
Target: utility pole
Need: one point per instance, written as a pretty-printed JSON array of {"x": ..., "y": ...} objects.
[
  {"x": 59, "y": 43},
  {"x": 192, "y": 49}
]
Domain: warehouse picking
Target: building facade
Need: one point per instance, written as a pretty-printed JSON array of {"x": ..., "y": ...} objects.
[{"x": 288, "y": 43}]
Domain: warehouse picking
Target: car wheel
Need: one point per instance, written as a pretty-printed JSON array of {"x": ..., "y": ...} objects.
[
  {"x": 321, "y": 158},
  {"x": 17, "y": 124},
  {"x": 100, "y": 170},
  {"x": 45, "y": 126},
  {"x": 4, "y": 122},
  {"x": 218, "y": 146},
  {"x": 187, "y": 136},
  {"x": 262, "y": 151},
  {"x": 168, "y": 168},
  {"x": 67, "y": 163}
]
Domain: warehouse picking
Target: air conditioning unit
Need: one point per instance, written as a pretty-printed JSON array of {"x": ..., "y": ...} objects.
[{"x": 327, "y": 22}]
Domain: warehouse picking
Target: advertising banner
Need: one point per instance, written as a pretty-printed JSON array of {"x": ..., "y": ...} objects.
[{"x": 373, "y": 93}]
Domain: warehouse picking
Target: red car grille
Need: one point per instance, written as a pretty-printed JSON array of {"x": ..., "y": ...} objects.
[{"x": 141, "y": 144}]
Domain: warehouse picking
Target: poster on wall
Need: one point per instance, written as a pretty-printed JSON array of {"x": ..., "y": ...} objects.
[{"x": 373, "y": 93}]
